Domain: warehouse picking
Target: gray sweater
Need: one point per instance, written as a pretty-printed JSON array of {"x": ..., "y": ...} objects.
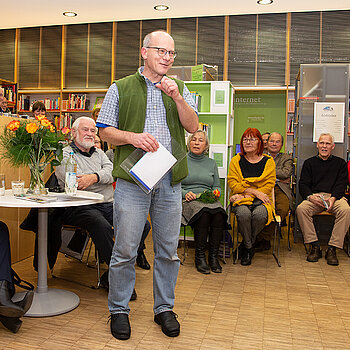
[{"x": 98, "y": 163}]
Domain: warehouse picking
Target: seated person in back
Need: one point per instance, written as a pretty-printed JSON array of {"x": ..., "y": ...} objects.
[
  {"x": 283, "y": 193},
  {"x": 3, "y": 106},
  {"x": 94, "y": 173},
  {"x": 322, "y": 185},
  {"x": 39, "y": 109}
]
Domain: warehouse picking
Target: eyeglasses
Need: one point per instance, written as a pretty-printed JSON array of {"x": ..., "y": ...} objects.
[
  {"x": 162, "y": 52},
  {"x": 245, "y": 140}
]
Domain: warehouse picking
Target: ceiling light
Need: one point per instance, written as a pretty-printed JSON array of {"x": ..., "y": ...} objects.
[
  {"x": 265, "y": 2},
  {"x": 70, "y": 14},
  {"x": 161, "y": 7}
]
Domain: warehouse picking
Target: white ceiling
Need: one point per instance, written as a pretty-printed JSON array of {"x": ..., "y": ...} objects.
[{"x": 30, "y": 13}]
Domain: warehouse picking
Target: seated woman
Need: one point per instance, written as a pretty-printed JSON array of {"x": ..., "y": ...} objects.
[
  {"x": 10, "y": 312},
  {"x": 205, "y": 218},
  {"x": 251, "y": 178}
]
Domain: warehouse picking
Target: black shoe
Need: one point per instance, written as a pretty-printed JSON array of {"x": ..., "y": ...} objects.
[
  {"x": 26, "y": 302},
  {"x": 315, "y": 253},
  {"x": 120, "y": 326},
  {"x": 214, "y": 264},
  {"x": 201, "y": 265},
  {"x": 133, "y": 295},
  {"x": 247, "y": 257},
  {"x": 262, "y": 245},
  {"x": 7, "y": 307},
  {"x": 142, "y": 262},
  {"x": 168, "y": 321},
  {"x": 104, "y": 282},
  {"x": 11, "y": 323},
  {"x": 331, "y": 256}
]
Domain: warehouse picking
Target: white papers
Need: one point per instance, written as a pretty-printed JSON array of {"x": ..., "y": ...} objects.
[{"x": 151, "y": 168}]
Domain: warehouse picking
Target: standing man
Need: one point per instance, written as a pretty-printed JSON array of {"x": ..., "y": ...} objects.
[
  {"x": 322, "y": 185},
  {"x": 138, "y": 112},
  {"x": 283, "y": 193}
]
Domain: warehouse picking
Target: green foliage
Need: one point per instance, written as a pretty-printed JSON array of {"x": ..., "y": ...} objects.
[{"x": 207, "y": 197}]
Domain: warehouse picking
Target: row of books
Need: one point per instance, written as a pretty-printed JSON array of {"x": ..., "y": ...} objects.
[
  {"x": 10, "y": 92},
  {"x": 197, "y": 98},
  {"x": 23, "y": 103},
  {"x": 50, "y": 103},
  {"x": 66, "y": 120},
  {"x": 76, "y": 101}
]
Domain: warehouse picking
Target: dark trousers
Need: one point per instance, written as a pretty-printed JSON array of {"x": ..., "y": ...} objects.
[
  {"x": 5, "y": 254},
  {"x": 97, "y": 219}
]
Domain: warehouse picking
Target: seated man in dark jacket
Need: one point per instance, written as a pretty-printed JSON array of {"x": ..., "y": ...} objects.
[
  {"x": 322, "y": 185},
  {"x": 10, "y": 312}
]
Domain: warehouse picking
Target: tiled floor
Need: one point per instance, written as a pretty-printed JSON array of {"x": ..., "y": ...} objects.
[{"x": 298, "y": 306}]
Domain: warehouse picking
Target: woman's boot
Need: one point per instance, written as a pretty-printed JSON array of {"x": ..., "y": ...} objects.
[
  {"x": 215, "y": 236},
  {"x": 200, "y": 240}
]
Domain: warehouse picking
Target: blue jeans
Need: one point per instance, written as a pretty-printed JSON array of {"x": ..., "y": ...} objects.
[{"x": 131, "y": 208}]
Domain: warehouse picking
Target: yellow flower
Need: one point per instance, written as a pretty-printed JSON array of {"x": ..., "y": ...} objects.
[
  {"x": 52, "y": 128},
  {"x": 39, "y": 117},
  {"x": 31, "y": 128},
  {"x": 13, "y": 125},
  {"x": 45, "y": 122}
]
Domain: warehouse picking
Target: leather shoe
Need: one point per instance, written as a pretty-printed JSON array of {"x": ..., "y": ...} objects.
[
  {"x": 315, "y": 253},
  {"x": 11, "y": 323},
  {"x": 331, "y": 256},
  {"x": 120, "y": 326},
  {"x": 247, "y": 257},
  {"x": 142, "y": 262},
  {"x": 169, "y": 323},
  {"x": 133, "y": 295},
  {"x": 26, "y": 302},
  {"x": 7, "y": 307}
]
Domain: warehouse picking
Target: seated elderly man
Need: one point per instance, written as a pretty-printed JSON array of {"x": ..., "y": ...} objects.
[
  {"x": 283, "y": 193},
  {"x": 94, "y": 173},
  {"x": 322, "y": 185},
  {"x": 10, "y": 312}
]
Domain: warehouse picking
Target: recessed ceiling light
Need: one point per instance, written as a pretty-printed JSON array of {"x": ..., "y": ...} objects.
[
  {"x": 161, "y": 7},
  {"x": 70, "y": 14},
  {"x": 265, "y": 2}
]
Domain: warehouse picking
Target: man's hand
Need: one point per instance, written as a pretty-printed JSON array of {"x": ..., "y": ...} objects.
[
  {"x": 330, "y": 203},
  {"x": 145, "y": 141},
  {"x": 190, "y": 196},
  {"x": 86, "y": 180},
  {"x": 315, "y": 199},
  {"x": 169, "y": 87}
]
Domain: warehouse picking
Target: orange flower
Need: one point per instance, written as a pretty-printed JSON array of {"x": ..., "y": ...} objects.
[
  {"x": 65, "y": 130},
  {"x": 31, "y": 128},
  {"x": 45, "y": 122},
  {"x": 216, "y": 193},
  {"x": 13, "y": 125},
  {"x": 52, "y": 128},
  {"x": 39, "y": 117}
]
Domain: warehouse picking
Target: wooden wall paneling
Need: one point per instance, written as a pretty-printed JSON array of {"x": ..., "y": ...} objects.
[
  {"x": 183, "y": 30},
  {"x": 242, "y": 50}
]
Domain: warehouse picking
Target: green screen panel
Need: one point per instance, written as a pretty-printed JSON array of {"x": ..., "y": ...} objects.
[
  {"x": 203, "y": 90},
  {"x": 217, "y": 131},
  {"x": 265, "y": 111}
]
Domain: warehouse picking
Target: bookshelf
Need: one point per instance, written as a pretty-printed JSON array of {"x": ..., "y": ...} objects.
[
  {"x": 63, "y": 105},
  {"x": 10, "y": 92}
]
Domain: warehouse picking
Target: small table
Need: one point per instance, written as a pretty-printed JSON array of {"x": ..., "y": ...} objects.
[{"x": 49, "y": 301}]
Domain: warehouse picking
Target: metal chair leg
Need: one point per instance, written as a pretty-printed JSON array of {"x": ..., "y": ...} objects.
[
  {"x": 184, "y": 253},
  {"x": 277, "y": 235},
  {"x": 289, "y": 227}
]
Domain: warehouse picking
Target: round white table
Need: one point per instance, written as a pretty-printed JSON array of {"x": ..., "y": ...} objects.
[{"x": 49, "y": 301}]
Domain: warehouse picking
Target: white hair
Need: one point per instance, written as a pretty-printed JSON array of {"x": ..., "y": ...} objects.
[
  {"x": 75, "y": 125},
  {"x": 326, "y": 134}
]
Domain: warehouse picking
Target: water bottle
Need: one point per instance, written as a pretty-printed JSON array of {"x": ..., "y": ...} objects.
[{"x": 71, "y": 184}]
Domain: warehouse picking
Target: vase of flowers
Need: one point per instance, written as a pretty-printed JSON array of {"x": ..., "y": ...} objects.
[{"x": 34, "y": 144}]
